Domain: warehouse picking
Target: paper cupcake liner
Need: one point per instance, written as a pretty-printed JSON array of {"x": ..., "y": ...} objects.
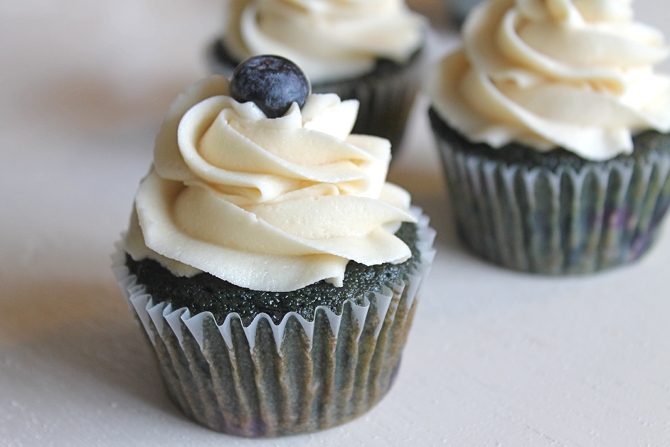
[
  {"x": 571, "y": 220},
  {"x": 270, "y": 379},
  {"x": 386, "y": 95}
]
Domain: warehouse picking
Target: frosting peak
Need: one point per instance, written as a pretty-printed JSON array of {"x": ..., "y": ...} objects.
[
  {"x": 267, "y": 204},
  {"x": 344, "y": 37},
  {"x": 571, "y": 73}
]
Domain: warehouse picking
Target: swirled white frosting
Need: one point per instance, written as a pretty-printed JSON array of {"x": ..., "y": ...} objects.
[
  {"x": 571, "y": 73},
  {"x": 328, "y": 39},
  {"x": 266, "y": 204}
]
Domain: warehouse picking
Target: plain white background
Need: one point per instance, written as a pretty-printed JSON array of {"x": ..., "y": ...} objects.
[{"x": 496, "y": 358}]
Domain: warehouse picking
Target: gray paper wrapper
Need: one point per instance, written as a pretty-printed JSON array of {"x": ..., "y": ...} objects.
[
  {"x": 563, "y": 221},
  {"x": 270, "y": 379},
  {"x": 386, "y": 96}
]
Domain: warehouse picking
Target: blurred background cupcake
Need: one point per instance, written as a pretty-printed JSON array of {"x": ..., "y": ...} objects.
[
  {"x": 552, "y": 126},
  {"x": 369, "y": 51},
  {"x": 459, "y": 9}
]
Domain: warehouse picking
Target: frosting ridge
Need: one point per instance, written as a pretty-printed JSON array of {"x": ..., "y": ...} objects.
[
  {"x": 345, "y": 38},
  {"x": 571, "y": 73},
  {"x": 266, "y": 204}
]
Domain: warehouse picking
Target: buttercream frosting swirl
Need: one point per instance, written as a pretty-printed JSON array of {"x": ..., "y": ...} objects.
[
  {"x": 329, "y": 39},
  {"x": 266, "y": 204},
  {"x": 576, "y": 74}
]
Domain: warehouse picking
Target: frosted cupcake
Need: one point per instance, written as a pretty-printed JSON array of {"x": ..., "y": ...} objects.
[
  {"x": 273, "y": 268},
  {"x": 553, "y": 128},
  {"x": 365, "y": 50}
]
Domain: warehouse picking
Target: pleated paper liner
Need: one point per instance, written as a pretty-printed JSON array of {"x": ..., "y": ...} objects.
[
  {"x": 386, "y": 95},
  {"x": 270, "y": 379},
  {"x": 567, "y": 219}
]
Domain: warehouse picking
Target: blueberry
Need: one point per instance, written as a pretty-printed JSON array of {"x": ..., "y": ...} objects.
[{"x": 273, "y": 83}]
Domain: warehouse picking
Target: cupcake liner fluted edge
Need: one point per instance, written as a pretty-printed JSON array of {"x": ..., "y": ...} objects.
[
  {"x": 268, "y": 379},
  {"x": 567, "y": 219}
]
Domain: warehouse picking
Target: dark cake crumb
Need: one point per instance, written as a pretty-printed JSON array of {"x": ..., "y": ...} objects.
[
  {"x": 205, "y": 292},
  {"x": 520, "y": 154}
]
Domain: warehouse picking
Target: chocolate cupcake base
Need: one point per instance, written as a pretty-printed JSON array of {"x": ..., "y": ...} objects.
[
  {"x": 555, "y": 213},
  {"x": 386, "y": 94},
  {"x": 266, "y": 379}
]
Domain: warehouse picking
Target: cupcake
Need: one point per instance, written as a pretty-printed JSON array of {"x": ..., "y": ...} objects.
[
  {"x": 272, "y": 267},
  {"x": 367, "y": 50},
  {"x": 553, "y": 130}
]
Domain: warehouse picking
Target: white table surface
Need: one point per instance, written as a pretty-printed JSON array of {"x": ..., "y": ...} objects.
[{"x": 495, "y": 358}]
